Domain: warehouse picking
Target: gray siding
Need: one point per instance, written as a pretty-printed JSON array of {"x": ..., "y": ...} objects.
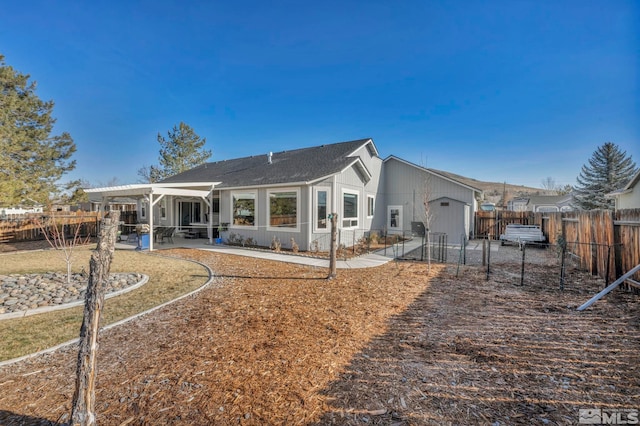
[
  {"x": 261, "y": 233},
  {"x": 406, "y": 185}
]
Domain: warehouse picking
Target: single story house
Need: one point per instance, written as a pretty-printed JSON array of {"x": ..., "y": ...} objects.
[
  {"x": 123, "y": 204},
  {"x": 289, "y": 195},
  {"x": 541, "y": 203},
  {"x": 629, "y": 196}
]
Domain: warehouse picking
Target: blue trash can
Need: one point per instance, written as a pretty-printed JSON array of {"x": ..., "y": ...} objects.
[{"x": 144, "y": 242}]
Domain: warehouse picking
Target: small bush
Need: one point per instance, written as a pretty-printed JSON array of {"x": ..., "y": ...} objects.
[{"x": 275, "y": 244}]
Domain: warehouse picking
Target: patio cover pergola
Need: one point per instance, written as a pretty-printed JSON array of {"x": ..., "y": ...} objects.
[{"x": 154, "y": 192}]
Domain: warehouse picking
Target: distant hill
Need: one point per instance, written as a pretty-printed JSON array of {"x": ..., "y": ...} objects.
[{"x": 493, "y": 191}]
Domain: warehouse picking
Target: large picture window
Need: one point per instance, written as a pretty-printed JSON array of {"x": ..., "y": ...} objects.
[
  {"x": 283, "y": 209},
  {"x": 349, "y": 210},
  {"x": 244, "y": 209}
]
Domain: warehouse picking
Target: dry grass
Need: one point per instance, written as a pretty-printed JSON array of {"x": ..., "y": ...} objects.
[{"x": 168, "y": 279}]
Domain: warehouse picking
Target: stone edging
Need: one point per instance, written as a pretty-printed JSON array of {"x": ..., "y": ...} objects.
[
  {"x": 45, "y": 309},
  {"x": 122, "y": 321}
]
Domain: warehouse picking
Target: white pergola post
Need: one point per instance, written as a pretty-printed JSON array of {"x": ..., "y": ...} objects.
[
  {"x": 152, "y": 204},
  {"x": 210, "y": 225},
  {"x": 150, "y": 213}
]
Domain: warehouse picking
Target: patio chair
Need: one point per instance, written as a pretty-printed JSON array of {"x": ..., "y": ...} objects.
[{"x": 168, "y": 233}]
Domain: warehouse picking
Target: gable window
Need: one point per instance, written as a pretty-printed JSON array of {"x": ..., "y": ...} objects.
[
  {"x": 349, "y": 209},
  {"x": 244, "y": 208},
  {"x": 370, "y": 205},
  {"x": 283, "y": 209}
]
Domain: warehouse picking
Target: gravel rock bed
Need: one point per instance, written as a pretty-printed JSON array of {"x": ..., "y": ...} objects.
[
  {"x": 21, "y": 292},
  {"x": 511, "y": 253}
]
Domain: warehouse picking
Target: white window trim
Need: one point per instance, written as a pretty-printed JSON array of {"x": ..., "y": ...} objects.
[
  {"x": 373, "y": 209},
  {"x": 144, "y": 207},
  {"x": 268, "y": 210},
  {"x": 255, "y": 212},
  {"x": 343, "y": 218},
  {"x": 315, "y": 209}
]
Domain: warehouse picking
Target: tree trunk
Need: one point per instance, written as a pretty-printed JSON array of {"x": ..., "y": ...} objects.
[{"x": 83, "y": 406}]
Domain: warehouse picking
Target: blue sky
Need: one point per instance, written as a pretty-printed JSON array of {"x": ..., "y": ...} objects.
[{"x": 512, "y": 91}]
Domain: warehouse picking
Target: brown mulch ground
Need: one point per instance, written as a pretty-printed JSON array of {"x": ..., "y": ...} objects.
[{"x": 274, "y": 343}]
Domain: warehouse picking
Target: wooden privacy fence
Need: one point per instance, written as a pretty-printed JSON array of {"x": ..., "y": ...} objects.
[
  {"x": 26, "y": 228},
  {"x": 601, "y": 240}
]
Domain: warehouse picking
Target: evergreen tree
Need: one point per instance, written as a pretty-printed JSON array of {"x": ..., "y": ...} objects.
[
  {"x": 609, "y": 169},
  {"x": 32, "y": 160},
  {"x": 181, "y": 151}
]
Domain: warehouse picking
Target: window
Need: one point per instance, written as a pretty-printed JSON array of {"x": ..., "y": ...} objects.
[
  {"x": 444, "y": 204},
  {"x": 370, "y": 205},
  {"x": 283, "y": 209},
  {"x": 322, "y": 208},
  {"x": 244, "y": 209},
  {"x": 349, "y": 210},
  {"x": 163, "y": 208},
  {"x": 143, "y": 210}
]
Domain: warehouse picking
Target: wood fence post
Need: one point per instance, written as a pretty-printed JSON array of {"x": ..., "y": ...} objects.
[{"x": 83, "y": 405}]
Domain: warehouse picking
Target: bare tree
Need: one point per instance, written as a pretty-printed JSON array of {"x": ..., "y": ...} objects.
[
  {"x": 550, "y": 184},
  {"x": 55, "y": 232},
  {"x": 427, "y": 214}
]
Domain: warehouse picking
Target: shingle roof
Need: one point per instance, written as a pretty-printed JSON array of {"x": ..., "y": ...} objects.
[
  {"x": 299, "y": 165},
  {"x": 548, "y": 199}
]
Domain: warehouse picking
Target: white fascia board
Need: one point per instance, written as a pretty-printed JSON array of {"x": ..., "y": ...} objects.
[
  {"x": 137, "y": 187},
  {"x": 633, "y": 181},
  {"x": 189, "y": 185},
  {"x": 155, "y": 188},
  {"x": 358, "y": 163},
  {"x": 614, "y": 194}
]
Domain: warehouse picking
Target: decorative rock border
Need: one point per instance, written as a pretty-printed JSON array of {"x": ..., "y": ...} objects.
[{"x": 48, "y": 292}]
